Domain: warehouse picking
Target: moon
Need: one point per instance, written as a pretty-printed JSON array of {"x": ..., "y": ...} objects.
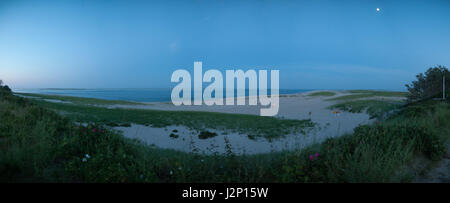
[{"x": 378, "y": 9}]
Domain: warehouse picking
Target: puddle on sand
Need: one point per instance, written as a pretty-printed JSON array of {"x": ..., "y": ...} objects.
[{"x": 188, "y": 140}]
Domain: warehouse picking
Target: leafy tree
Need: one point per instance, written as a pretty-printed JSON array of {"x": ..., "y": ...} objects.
[
  {"x": 4, "y": 89},
  {"x": 429, "y": 84}
]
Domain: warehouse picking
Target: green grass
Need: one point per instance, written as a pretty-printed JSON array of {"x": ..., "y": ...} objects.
[
  {"x": 39, "y": 145},
  {"x": 322, "y": 94},
  {"x": 375, "y": 108},
  {"x": 80, "y": 100},
  {"x": 433, "y": 114},
  {"x": 361, "y": 94},
  {"x": 363, "y": 101},
  {"x": 268, "y": 127},
  {"x": 380, "y": 93}
]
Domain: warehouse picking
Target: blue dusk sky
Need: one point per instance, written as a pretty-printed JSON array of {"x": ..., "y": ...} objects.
[{"x": 316, "y": 44}]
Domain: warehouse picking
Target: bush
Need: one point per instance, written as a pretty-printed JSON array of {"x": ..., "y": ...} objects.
[
  {"x": 206, "y": 135},
  {"x": 102, "y": 156},
  {"x": 371, "y": 154},
  {"x": 175, "y": 136},
  {"x": 429, "y": 84},
  {"x": 4, "y": 90}
]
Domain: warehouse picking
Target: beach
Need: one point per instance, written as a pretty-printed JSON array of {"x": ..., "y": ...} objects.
[
  {"x": 311, "y": 106},
  {"x": 299, "y": 106},
  {"x": 201, "y": 131}
]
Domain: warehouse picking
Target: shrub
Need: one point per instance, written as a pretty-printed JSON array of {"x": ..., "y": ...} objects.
[
  {"x": 375, "y": 153},
  {"x": 429, "y": 84},
  {"x": 371, "y": 154},
  {"x": 175, "y": 136},
  {"x": 4, "y": 90},
  {"x": 206, "y": 135}
]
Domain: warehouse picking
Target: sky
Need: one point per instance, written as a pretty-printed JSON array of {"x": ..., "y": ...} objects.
[{"x": 316, "y": 44}]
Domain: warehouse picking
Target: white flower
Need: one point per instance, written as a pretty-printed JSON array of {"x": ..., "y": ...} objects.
[
  {"x": 171, "y": 172},
  {"x": 87, "y": 156},
  {"x": 84, "y": 160}
]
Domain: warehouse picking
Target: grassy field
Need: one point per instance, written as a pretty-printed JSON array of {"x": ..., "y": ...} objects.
[
  {"x": 40, "y": 145},
  {"x": 322, "y": 94}
]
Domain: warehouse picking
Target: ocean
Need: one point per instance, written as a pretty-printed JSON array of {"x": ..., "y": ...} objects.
[{"x": 126, "y": 94}]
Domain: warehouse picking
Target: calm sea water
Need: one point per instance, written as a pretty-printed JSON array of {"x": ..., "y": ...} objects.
[{"x": 139, "y": 95}]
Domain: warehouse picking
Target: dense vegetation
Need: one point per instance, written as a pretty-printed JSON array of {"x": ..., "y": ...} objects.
[
  {"x": 39, "y": 145},
  {"x": 429, "y": 84}
]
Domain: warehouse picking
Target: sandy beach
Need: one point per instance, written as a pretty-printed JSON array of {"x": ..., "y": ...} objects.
[{"x": 294, "y": 106}]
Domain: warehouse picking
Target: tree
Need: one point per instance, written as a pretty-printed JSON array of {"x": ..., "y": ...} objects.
[
  {"x": 429, "y": 84},
  {"x": 4, "y": 88}
]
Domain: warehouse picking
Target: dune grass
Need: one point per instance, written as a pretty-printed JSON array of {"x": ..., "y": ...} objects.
[
  {"x": 365, "y": 101},
  {"x": 375, "y": 108},
  {"x": 361, "y": 94},
  {"x": 39, "y": 145},
  {"x": 322, "y": 94},
  {"x": 79, "y": 100}
]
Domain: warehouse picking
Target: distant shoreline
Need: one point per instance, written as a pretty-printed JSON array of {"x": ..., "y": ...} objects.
[{"x": 142, "y": 95}]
